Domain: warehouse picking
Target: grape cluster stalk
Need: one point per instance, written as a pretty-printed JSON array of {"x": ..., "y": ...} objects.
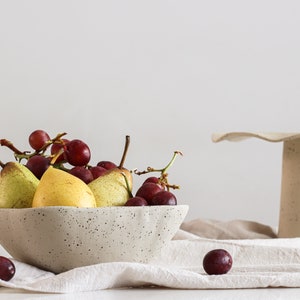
[{"x": 155, "y": 190}]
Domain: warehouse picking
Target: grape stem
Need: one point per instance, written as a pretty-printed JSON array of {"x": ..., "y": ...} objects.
[
  {"x": 163, "y": 170},
  {"x": 54, "y": 158},
  {"x": 10, "y": 145},
  {"x": 127, "y": 142},
  {"x": 19, "y": 155},
  {"x": 164, "y": 175},
  {"x": 50, "y": 142}
]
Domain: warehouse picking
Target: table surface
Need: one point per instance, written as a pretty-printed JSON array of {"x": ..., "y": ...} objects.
[{"x": 160, "y": 293}]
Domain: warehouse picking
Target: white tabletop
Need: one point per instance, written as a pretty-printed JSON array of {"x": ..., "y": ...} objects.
[{"x": 158, "y": 293}]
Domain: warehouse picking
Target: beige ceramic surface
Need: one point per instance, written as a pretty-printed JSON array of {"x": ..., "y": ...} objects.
[
  {"x": 61, "y": 238},
  {"x": 289, "y": 219}
]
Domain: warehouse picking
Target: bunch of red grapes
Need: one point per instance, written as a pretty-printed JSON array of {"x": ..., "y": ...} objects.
[
  {"x": 152, "y": 192},
  {"x": 74, "y": 156},
  {"x": 74, "y": 152}
]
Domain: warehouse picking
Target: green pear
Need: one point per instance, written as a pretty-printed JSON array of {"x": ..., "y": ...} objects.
[
  {"x": 17, "y": 186},
  {"x": 111, "y": 188},
  {"x": 114, "y": 187},
  {"x": 60, "y": 188}
]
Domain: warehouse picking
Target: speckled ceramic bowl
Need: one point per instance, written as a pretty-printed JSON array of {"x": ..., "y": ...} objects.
[{"x": 62, "y": 238}]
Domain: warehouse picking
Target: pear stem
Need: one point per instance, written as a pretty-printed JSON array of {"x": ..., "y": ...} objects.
[{"x": 127, "y": 142}]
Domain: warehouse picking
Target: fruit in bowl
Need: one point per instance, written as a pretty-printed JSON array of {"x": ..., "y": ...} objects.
[
  {"x": 65, "y": 177},
  {"x": 58, "y": 211},
  {"x": 62, "y": 238}
]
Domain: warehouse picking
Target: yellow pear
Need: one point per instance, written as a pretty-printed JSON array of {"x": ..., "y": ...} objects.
[
  {"x": 114, "y": 187},
  {"x": 111, "y": 189},
  {"x": 17, "y": 186},
  {"x": 59, "y": 188}
]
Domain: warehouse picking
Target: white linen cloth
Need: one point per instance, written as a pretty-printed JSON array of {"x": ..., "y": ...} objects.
[{"x": 260, "y": 259}]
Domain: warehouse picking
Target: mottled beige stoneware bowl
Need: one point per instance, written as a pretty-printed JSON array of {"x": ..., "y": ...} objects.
[{"x": 58, "y": 239}]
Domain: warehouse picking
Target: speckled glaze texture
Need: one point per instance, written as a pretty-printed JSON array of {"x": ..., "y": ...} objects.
[{"x": 62, "y": 238}]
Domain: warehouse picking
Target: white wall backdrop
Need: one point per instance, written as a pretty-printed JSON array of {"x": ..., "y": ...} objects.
[{"x": 169, "y": 74}]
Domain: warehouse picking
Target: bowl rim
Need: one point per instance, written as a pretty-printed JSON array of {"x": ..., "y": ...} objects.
[{"x": 115, "y": 207}]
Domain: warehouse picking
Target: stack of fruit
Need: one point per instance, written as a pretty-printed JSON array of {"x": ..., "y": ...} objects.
[{"x": 57, "y": 172}]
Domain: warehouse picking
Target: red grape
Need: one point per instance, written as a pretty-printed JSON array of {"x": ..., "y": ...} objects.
[
  {"x": 217, "y": 262},
  {"x": 56, "y": 147},
  {"x": 38, "y": 164},
  {"x": 164, "y": 198},
  {"x": 152, "y": 179},
  {"x": 82, "y": 173},
  {"x": 155, "y": 180},
  {"x": 136, "y": 201},
  {"x": 106, "y": 164},
  {"x": 38, "y": 138},
  {"x": 97, "y": 171},
  {"x": 148, "y": 190},
  {"x": 7, "y": 269},
  {"x": 77, "y": 153}
]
